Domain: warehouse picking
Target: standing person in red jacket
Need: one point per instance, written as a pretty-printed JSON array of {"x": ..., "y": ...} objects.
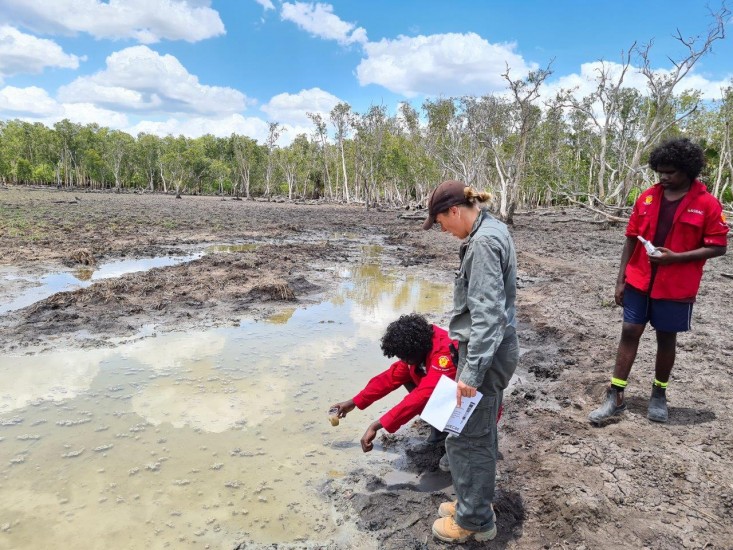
[
  {"x": 687, "y": 226},
  {"x": 424, "y": 354}
]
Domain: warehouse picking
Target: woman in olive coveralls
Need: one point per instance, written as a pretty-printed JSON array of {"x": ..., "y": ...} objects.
[{"x": 484, "y": 324}]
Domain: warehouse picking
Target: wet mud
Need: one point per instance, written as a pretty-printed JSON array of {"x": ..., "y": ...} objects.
[{"x": 562, "y": 482}]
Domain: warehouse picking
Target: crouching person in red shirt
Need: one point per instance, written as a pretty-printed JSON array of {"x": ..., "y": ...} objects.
[
  {"x": 686, "y": 225},
  {"x": 424, "y": 354}
]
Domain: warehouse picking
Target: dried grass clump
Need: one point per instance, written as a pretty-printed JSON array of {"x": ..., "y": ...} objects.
[
  {"x": 277, "y": 290},
  {"x": 82, "y": 257}
]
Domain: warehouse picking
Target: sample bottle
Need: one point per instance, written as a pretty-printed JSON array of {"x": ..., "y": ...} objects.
[
  {"x": 650, "y": 248},
  {"x": 333, "y": 416}
]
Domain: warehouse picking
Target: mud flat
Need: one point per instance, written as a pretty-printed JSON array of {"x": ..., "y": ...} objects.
[{"x": 564, "y": 483}]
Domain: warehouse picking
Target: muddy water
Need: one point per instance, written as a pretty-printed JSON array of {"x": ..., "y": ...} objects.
[
  {"x": 22, "y": 291},
  {"x": 197, "y": 439}
]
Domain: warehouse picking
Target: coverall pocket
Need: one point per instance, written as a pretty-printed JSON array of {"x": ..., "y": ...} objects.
[
  {"x": 691, "y": 234},
  {"x": 482, "y": 419},
  {"x": 460, "y": 292}
]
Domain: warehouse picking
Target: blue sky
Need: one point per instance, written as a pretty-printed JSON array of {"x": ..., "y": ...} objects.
[{"x": 223, "y": 66}]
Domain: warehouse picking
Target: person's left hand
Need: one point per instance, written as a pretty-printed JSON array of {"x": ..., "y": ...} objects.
[
  {"x": 667, "y": 257},
  {"x": 368, "y": 437},
  {"x": 464, "y": 390}
]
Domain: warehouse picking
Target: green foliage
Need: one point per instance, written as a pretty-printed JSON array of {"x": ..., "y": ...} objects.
[
  {"x": 43, "y": 173},
  {"x": 492, "y": 142},
  {"x": 634, "y": 194},
  {"x": 23, "y": 171},
  {"x": 727, "y": 195}
]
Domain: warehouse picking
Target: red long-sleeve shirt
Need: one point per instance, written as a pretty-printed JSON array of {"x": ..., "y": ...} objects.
[
  {"x": 437, "y": 363},
  {"x": 698, "y": 222}
]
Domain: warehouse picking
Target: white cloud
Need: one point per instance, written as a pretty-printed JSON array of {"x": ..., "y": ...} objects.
[
  {"x": 289, "y": 132},
  {"x": 441, "y": 64},
  {"x": 33, "y": 104},
  {"x": 292, "y": 109},
  {"x": 86, "y": 113},
  {"x": 140, "y": 79},
  {"x": 253, "y": 127},
  {"x": 146, "y": 21},
  {"x": 319, "y": 20},
  {"x": 267, "y": 4},
  {"x": 27, "y": 54},
  {"x": 711, "y": 89},
  {"x": 586, "y": 82},
  {"x": 31, "y": 101}
]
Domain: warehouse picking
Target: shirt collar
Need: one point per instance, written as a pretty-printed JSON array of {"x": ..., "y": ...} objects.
[{"x": 483, "y": 214}]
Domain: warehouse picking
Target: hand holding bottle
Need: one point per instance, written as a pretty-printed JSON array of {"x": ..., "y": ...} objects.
[{"x": 651, "y": 250}]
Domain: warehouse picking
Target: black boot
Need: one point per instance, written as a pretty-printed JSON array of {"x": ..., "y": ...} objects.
[
  {"x": 657, "y": 405},
  {"x": 436, "y": 437},
  {"x": 609, "y": 409}
]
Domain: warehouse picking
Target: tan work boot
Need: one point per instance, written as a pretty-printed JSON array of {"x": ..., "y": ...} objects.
[
  {"x": 448, "y": 509},
  {"x": 447, "y": 530}
]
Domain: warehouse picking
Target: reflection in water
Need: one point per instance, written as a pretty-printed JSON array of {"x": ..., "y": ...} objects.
[
  {"x": 377, "y": 295},
  {"x": 281, "y": 317},
  {"x": 371, "y": 252},
  {"x": 51, "y": 377},
  {"x": 49, "y": 285},
  {"x": 84, "y": 273},
  {"x": 373, "y": 289},
  {"x": 196, "y": 439}
]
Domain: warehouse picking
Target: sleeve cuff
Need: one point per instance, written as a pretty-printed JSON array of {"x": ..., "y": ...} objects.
[
  {"x": 469, "y": 378},
  {"x": 720, "y": 240},
  {"x": 360, "y": 402},
  {"x": 388, "y": 423}
]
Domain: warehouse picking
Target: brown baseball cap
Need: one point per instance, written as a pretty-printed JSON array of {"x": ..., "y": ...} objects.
[{"x": 447, "y": 194}]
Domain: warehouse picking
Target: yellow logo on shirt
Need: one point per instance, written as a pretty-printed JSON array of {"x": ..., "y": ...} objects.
[
  {"x": 443, "y": 361},
  {"x": 648, "y": 200},
  {"x": 722, "y": 218}
]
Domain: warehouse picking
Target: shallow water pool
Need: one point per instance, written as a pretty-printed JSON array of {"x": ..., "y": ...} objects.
[{"x": 197, "y": 439}]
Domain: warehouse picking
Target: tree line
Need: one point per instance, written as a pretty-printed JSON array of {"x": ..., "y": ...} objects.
[{"x": 527, "y": 150}]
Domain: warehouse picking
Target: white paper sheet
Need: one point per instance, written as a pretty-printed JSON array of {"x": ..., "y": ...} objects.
[{"x": 441, "y": 411}]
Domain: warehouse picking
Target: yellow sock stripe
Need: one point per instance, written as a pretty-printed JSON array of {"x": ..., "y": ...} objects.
[
  {"x": 662, "y": 385},
  {"x": 618, "y": 382}
]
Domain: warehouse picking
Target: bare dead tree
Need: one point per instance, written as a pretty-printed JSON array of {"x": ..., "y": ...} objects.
[
  {"x": 662, "y": 85},
  {"x": 273, "y": 135},
  {"x": 602, "y": 108},
  {"x": 321, "y": 135},
  {"x": 343, "y": 121},
  {"x": 496, "y": 121}
]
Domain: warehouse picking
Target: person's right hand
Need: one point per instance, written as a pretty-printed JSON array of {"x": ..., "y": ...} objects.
[
  {"x": 344, "y": 408},
  {"x": 619, "y": 294}
]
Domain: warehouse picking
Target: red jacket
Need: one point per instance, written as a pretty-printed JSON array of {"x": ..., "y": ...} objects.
[
  {"x": 698, "y": 222},
  {"x": 437, "y": 363}
]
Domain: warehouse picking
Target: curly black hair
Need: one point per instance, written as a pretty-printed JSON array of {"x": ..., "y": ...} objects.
[
  {"x": 408, "y": 338},
  {"x": 681, "y": 153}
]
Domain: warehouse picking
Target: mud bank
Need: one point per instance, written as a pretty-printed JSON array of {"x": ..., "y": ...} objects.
[{"x": 563, "y": 483}]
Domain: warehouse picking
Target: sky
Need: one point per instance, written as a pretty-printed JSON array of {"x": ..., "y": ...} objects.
[{"x": 194, "y": 67}]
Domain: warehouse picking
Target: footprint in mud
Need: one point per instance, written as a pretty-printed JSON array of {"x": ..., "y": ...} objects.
[
  {"x": 344, "y": 444},
  {"x": 427, "y": 482},
  {"x": 403, "y": 520}
]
